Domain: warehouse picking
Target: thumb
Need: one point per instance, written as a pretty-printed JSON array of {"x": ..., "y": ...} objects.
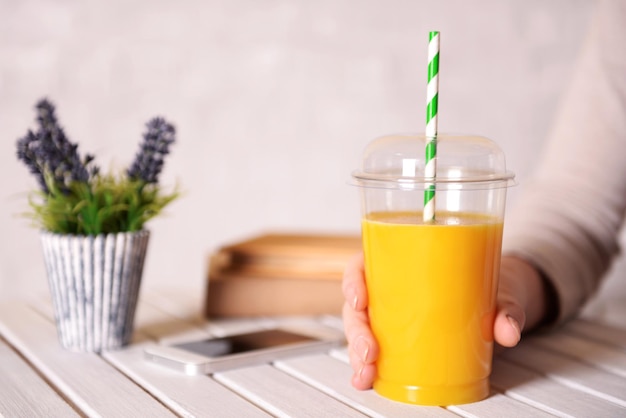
[{"x": 509, "y": 323}]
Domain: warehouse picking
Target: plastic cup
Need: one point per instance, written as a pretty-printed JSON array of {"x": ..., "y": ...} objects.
[{"x": 432, "y": 285}]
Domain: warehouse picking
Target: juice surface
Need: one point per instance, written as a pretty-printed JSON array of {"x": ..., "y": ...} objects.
[{"x": 432, "y": 291}]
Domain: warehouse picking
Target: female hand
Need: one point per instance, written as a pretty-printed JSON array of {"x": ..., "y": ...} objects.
[{"x": 521, "y": 302}]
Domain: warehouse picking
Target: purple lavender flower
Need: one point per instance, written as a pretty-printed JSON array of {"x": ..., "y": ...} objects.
[
  {"x": 49, "y": 151},
  {"x": 155, "y": 146},
  {"x": 26, "y": 151}
]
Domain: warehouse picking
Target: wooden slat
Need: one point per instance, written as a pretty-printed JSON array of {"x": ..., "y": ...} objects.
[
  {"x": 332, "y": 376},
  {"x": 570, "y": 372},
  {"x": 23, "y": 393},
  {"x": 599, "y": 332},
  {"x": 498, "y": 405},
  {"x": 574, "y": 371},
  {"x": 490, "y": 407},
  {"x": 313, "y": 326},
  {"x": 341, "y": 354},
  {"x": 42, "y": 302},
  {"x": 163, "y": 327},
  {"x": 281, "y": 394},
  {"x": 333, "y": 321},
  {"x": 600, "y": 355},
  {"x": 230, "y": 326},
  {"x": 186, "y": 395},
  {"x": 184, "y": 303},
  {"x": 616, "y": 312},
  {"x": 547, "y": 394},
  {"x": 611, "y": 313},
  {"x": 316, "y": 326},
  {"x": 87, "y": 380}
]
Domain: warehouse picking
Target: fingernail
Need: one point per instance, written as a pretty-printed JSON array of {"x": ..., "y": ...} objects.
[
  {"x": 360, "y": 373},
  {"x": 362, "y": 348},
  {"x": 355, "y": 301},
  {"x": 515, "y": 326}
]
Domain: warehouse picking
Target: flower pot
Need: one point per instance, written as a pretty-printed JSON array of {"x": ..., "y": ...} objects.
[{"x": 94, "y": 282}]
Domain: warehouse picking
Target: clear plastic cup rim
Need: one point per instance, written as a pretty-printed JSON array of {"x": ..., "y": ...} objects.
[{"x": 474, "y": 181}]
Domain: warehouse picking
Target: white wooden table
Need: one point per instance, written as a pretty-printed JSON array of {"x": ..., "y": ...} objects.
[{"x": 579, "y": 370}]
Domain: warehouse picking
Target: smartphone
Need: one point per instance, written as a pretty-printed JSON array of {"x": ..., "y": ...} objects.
[{"x": 219, "y": 354}]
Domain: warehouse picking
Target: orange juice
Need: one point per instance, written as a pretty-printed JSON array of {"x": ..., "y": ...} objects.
[{"x": 432, "y": 290}]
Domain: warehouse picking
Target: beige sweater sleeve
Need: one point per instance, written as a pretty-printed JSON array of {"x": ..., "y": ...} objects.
[{"x": 568, "y": 220}]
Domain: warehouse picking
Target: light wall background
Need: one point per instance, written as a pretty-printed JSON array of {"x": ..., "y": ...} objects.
[{"x": 273, "y": 100}]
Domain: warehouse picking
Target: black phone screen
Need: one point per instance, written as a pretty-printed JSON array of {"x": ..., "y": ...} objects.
[{"x": 241, "y": 343}]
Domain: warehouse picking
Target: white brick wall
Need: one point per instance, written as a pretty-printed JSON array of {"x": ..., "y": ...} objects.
[{"x": 274, "y": 101}]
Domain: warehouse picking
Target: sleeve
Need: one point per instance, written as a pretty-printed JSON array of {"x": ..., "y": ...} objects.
[{"x": 569, "y": 214}]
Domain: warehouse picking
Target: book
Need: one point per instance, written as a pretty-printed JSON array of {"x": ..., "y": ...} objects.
[{"x": 279, "y": 274}]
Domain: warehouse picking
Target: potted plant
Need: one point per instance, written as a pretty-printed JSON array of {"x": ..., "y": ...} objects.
[{"x": 93, "y": 228}]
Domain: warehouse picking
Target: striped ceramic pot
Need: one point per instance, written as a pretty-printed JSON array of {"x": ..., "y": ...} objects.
[{"x": 94, "y": 282}]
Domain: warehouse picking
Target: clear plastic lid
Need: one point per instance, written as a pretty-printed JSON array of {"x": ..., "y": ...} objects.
[{"x": 397, "y": 161}]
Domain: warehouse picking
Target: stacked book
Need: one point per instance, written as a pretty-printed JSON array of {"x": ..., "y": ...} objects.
[{"x": 279, "y": 274}]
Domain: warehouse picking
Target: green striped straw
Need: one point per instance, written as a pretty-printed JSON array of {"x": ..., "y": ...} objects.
[{"x": 432, "y": 96}]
